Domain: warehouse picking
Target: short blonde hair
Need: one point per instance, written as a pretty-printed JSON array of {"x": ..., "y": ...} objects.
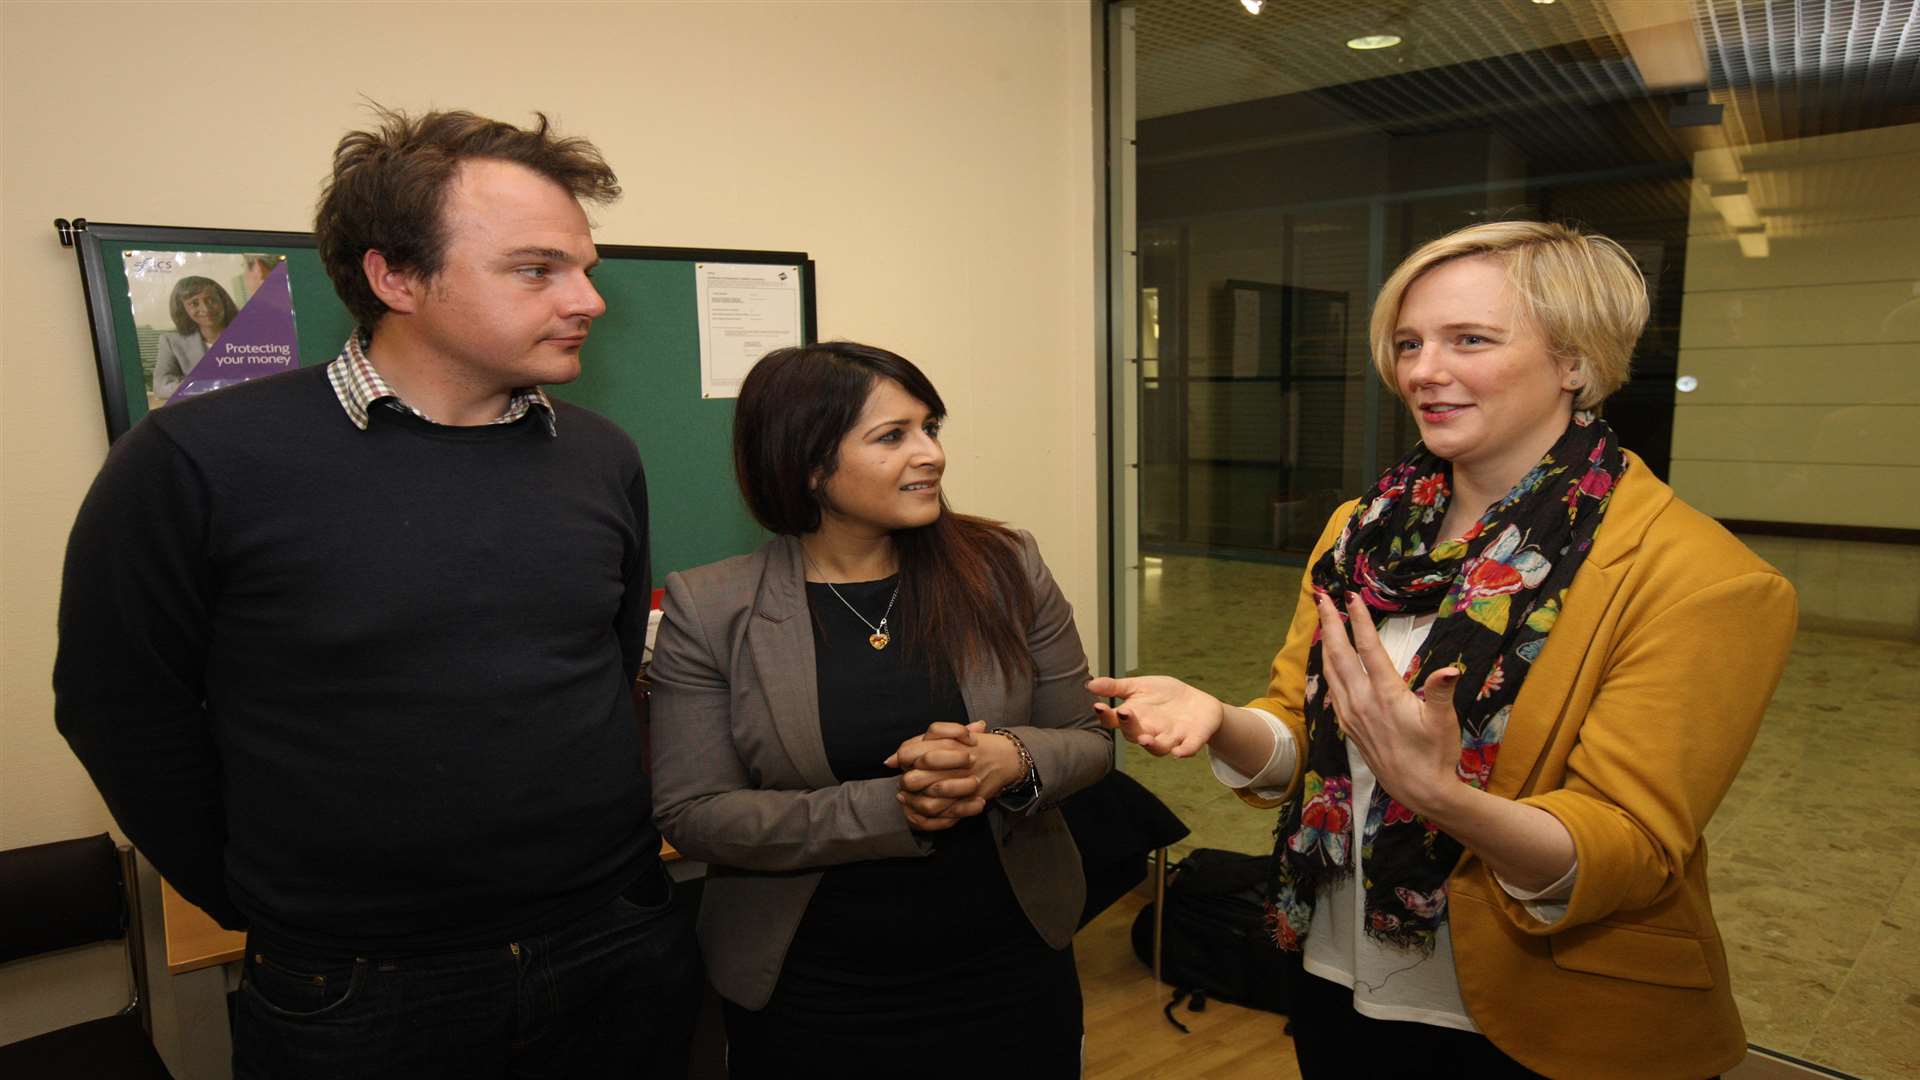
[{"x": 1581, "y": 291}]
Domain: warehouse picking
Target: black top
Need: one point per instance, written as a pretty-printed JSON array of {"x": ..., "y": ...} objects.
[
  {"x": 863, "y": 913},
  {"x": 365, "y": 690}
]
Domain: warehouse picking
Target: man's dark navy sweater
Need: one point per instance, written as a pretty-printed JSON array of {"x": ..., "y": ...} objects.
[{"x": 365, "y": 690}]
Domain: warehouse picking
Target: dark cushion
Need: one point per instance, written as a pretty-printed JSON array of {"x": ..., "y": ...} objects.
[
  {"x": 111, "y": 1048},
  {"x": 60, "y": 895},
  {"x": 1115, "y": 823},
  {"x": 1118, "y": 817}
]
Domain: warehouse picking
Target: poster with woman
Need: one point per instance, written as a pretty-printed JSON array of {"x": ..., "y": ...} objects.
[{"x": 207, "y": 319}]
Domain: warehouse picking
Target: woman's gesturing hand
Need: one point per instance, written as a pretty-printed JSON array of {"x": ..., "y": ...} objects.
[
  {"x": 1160, "y": 713},
  {"x": 1412, "y": 745}
]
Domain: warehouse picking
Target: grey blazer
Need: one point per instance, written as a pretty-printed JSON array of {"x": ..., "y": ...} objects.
[
  {"x": 173, "y": 359},
  {"x": 740, "y": 773}
]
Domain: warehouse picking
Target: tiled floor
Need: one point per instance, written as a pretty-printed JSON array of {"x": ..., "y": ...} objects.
[{"x": 1815, "y": 852}]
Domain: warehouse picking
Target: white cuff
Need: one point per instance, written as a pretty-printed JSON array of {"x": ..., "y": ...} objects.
[
  {"x": 1549, "y": 905},
  {"x": 1272, "y": 779}
]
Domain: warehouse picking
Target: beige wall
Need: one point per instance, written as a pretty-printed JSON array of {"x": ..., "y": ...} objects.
[
  {"x": 936, "y": 159},
  {"x": 1808, "y": 362},
  {"x": 1808, "y": 359}
]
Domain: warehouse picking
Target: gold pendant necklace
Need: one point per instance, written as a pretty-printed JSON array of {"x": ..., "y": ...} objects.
[{"x": 880, "y": 637}]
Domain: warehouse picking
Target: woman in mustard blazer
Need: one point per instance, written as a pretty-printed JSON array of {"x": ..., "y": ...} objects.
[
  {"x": 864, "y": 729},
  {"x": 1503, "y": 872}
]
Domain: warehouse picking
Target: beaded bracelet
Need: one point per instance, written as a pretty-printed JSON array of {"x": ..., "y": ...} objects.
[{"x": 1028, "y": 787}]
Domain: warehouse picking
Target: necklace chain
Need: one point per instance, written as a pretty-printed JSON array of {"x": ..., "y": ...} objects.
[{"x": 880, "y": 637}]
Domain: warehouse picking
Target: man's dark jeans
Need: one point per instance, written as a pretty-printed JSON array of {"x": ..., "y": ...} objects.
[{"x": 615, "y": 994}]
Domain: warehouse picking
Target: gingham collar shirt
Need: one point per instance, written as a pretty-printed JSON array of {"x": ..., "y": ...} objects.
[{"x": 359, "y": 387}]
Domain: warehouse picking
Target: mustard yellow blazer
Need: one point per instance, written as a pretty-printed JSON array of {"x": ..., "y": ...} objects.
[{"x": 1629, "y": 730}]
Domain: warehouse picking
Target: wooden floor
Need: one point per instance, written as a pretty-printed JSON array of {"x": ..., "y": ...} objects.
[{"x": 1127, "y": 1036}]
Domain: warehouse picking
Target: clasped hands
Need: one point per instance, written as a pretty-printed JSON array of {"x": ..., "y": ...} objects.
[
  {"x": 952, "y": 772},
  {"x": 1410, "y": 741}
]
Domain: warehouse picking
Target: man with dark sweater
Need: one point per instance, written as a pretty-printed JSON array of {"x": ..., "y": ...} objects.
[{"x": 348, "y": 650}]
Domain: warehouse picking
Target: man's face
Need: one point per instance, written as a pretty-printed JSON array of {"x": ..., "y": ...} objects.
[{"x": 512, "y": 302}]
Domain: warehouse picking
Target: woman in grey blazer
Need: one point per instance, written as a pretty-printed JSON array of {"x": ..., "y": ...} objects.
[
  {"x": 201, "y": 310},
  {"x": 864, "y": 729}
]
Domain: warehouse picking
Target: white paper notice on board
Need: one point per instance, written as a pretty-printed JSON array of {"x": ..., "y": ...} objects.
[{"x": 746, "y": 311}]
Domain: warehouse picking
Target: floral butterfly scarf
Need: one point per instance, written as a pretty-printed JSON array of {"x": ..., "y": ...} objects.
[{"x": 1495, "y": 593}]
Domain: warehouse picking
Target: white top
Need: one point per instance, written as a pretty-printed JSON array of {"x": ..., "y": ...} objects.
[{"x": 1388, "y": 983}]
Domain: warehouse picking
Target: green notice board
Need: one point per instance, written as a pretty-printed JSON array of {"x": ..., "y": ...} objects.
[{"x": 640, "y": 367}]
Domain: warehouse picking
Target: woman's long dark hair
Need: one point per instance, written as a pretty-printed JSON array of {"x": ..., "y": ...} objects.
[{"x": 964, "y": 595}]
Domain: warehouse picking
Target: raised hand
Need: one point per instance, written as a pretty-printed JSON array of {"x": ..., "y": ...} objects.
[
  {"x": 1412, "y": 745},
  {"x": 1159, "y": 713}
]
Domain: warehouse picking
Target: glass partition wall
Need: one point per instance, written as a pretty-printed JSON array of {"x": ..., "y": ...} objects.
[{"x": 1761, "y": 161}]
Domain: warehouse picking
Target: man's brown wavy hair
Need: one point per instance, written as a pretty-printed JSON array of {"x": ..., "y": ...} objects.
[{"x": 389, "y": 187}]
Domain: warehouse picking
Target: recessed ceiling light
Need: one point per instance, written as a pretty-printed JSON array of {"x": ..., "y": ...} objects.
[
  {"x": 1543, "y": 1},
  {"x": 1374, "y": 41},
  {"x": 1253, "y": 6}
]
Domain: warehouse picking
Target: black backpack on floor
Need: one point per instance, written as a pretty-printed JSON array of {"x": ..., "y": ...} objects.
[{"x": 1214, "y": 939}]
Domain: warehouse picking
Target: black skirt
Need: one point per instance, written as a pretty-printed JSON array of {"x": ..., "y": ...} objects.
[{"x": 937, "y": 1021}]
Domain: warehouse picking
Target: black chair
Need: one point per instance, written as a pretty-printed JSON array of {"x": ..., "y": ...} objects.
[
  {"x": 62, "y": 896},
  {"x": 1117, "y": 823}
]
